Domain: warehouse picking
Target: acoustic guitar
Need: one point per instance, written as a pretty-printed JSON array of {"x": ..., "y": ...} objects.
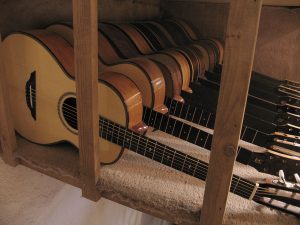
[
  {"x": 126, "y": 35},
  {"x": 67, "y": 34},
  {"x": 195, "y": 98},
  {"x": 40, "y": 70},
  {"x": 146, "y": 74}
]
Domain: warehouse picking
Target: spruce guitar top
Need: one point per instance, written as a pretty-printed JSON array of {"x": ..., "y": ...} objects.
[{"x": 43, "y": 99}]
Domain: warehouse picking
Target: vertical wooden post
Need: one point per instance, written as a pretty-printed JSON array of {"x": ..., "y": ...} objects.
[
  {"x": 240, "y": 45},
  {"x": 85, "y": 18},
  {"x": 7, "y": 133}
]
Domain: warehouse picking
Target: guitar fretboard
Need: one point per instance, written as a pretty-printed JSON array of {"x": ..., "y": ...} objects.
[{"x": 166, "y": 155}]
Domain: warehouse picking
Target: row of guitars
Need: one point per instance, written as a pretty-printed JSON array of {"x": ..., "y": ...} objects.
[
  {"x": 125, "y": 48},
  {"x": 39, "y": 67}
]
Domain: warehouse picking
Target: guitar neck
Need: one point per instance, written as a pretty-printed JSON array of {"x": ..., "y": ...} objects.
[
  {"x": 168, "y": 156},
  {"x": 204, "y": 118},
  {"x": 197, "y": 137}
]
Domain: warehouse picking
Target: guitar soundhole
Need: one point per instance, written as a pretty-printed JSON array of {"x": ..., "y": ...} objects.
[{"x": 69, "y": 112}]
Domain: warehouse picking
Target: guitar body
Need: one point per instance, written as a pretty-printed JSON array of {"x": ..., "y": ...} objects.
[
  {"x": 174, "y": 80},
  {"x": 144, "y": 73},
  {"x": 39, "y": 68}
]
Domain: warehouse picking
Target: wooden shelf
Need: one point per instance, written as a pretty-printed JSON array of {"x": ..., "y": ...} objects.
[{"x": 265, "y": 2}]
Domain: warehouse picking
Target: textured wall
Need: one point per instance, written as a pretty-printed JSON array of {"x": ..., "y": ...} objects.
[
  {"x": 30, "y": 14},
  {"x": 278, "y": 44}
]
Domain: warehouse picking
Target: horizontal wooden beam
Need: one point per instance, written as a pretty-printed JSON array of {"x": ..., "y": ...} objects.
[
  {"x": 265, "y": 2},
  {"x": 241, "y": 36}
]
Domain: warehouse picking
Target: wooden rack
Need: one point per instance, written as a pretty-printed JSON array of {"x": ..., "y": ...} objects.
[{"x": 240, "y": 45}]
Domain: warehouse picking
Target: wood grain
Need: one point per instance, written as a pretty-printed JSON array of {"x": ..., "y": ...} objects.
[
  {"x": 85, "y": 18},
  {"x": 240, "y": 44},
  {"x": 265, "y": 2},
  {"x": 7, "y": 133}
]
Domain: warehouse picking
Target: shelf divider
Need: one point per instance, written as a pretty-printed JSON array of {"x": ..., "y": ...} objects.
[
  {"x": 85, "y": 20},
  {"x": 241, "y": 36}
]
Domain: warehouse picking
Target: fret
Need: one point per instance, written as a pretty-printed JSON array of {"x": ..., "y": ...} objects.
[
  {"x": 183, "y": 163},
  {"x": 146, "y": 148},
  {"x": 177, "y": 162},
  {"x": 208, "y": 142},
  {"x": 197, "y": 116},
  {"x": 158, "y": 119},
  {"x": 173, "y": 159},
  {"x": 191, "y": 115},
  {"x": 139, "y": 149},
  {"x": 177, "y": 109},
  {"x": 234, "y": 187},
  {"x": 202, "y": 137},
  {"x": 184, "y": 111},
  {"x": 163, "y": 118},
  {"x": 177, "y": 128},
  {"x": 201, "y": 170},
  {"x": 193, "y": 135},
  {"x": 207, "y": 119},
  {"x": 162, "y": 158},
  {"x": 248, "y": 134},
  {"x": 254, "y": 136},
  {"x": 172, "y": 106},
  {"x": 152, "y": 150},
  {"x": 199, "y": 121},
  {"x": 189, "y": 167},
  {"x": 164, "y": 123},
  {"x": 185, "y": 130},
  {"x": 167, "y": 155},
  {"x": 168, "y": 158},
  {"x": 195, "y": 169},
  {"x": 124, "y": 139},
  {"x": 242, "y": 187},
  {"x": 211, "y": 121},
  {"x": 204, "y": 119},
  {"x": 120, "y": 137},
  {"x": 151, "y": 119},
  {"x": 170, "y": 125},
  {"x": 111, "y": 136}
]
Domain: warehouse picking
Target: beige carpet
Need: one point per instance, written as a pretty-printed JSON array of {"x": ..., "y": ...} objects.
[{"x": 30, "y": 198}]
